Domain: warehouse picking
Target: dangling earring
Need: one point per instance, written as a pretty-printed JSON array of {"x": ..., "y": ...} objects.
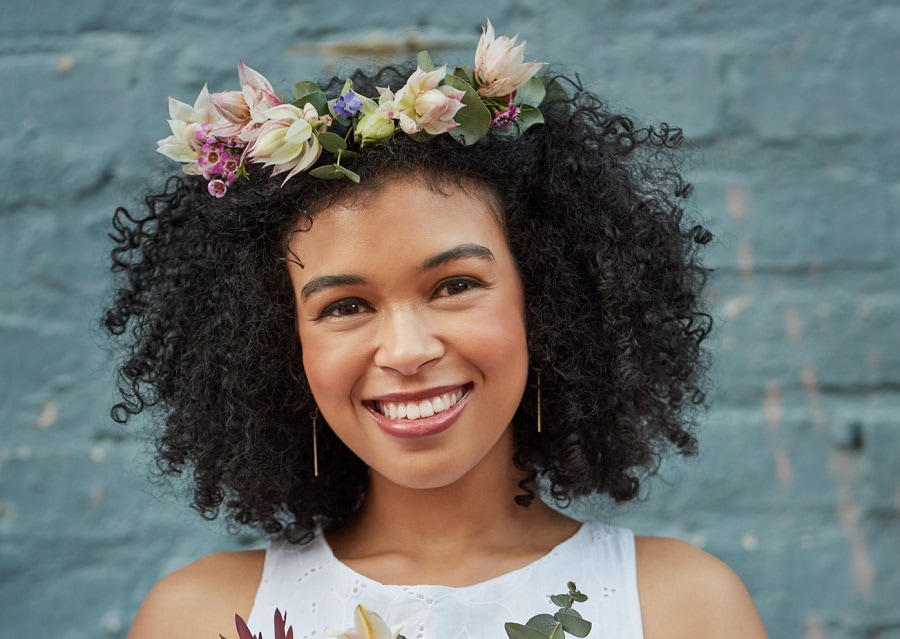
[
  {"x": 315, "y": 417},
  {"x": 537, "y": 372}
]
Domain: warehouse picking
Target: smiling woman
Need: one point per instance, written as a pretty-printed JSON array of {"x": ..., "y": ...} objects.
[{"x": 469, "y": 298}]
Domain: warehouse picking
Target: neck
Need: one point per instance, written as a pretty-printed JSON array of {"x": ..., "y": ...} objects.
[{"x": 448, "y": 534}]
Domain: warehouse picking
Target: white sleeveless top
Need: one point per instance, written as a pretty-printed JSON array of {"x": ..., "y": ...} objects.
[{"x": 317, "y": 591}]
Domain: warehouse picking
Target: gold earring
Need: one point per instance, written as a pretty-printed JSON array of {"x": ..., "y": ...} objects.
[
  {"x": 538, "y": 373},
  {"x": 315, "y": 417}
]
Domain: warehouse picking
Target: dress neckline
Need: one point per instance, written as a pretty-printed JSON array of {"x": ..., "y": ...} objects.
[{"x": 349, "y": 572}]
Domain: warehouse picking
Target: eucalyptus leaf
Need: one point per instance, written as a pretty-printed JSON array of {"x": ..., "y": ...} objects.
[
  {"x": 532, "y": 92},
  {"x": 466, "y": 73},
  {"x": 574, "y": 625},
  {"x": 560, "y": 600},
  {"x": 331, "y": 142},
  {"x": 328, "y": 172},
  {"x": 528, "y": 117},
  {"x": 518, "y": 631},
  {"x": 354, "y": 177},
  {"x": 544, "y": 623},
  {"x": 305, "y": 88},
  {"x": 424, "y": 61},
  {"x": 346, "y": 153},
  {"x": 474, "y": 118},
  {"x": 316, "y": 98},
  {"x": 577, "y": 596},
  {"x": 556, "y": 101}
]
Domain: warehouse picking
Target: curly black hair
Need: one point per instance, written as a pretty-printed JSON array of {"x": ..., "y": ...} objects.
[{"x": 594, "y": 212}]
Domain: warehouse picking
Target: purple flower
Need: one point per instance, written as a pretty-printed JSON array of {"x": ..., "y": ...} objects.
[{"x": 347, "y": 105}]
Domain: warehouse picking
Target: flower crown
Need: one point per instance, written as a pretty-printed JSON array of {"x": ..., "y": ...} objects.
[{"x": 222, "y": 132}]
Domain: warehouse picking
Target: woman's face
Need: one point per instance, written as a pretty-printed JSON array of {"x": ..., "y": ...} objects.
[{"x": 410, "y": 315}]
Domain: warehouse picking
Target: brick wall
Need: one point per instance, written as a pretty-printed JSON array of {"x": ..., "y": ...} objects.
[{"x": 792, "y": 111}]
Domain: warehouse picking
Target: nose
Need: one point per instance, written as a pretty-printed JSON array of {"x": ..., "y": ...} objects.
[{"x": 406, "y": 342}]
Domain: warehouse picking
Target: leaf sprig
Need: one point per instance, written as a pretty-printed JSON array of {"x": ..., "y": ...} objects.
[{"x": 555, "y": 626}]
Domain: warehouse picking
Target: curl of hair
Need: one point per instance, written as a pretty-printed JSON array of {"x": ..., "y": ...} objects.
[{"x": 593, "y": 207}]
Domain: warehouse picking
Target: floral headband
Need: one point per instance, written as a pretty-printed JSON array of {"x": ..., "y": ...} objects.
[{"x": 222, "y": 132}]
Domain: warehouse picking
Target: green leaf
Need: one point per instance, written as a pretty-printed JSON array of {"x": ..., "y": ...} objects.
[
  {"x": 305, "y": 88},
  {"x": 348, "y": 154},
  {"x": 560, "y": 600},
  {"x": 315, "y": 98},
  {"x": 474, "y": 118},
  {"x": 334, "y": 172},
  {"x": 424, "y": 61},
  {"x": 528, "y": 117},
  {"x": 544, "y": 623},
  {"x": 556, "y": 101},
  {"x": 580, "y": 597},
  {"x": 466, "y": 74},
  {"x": 331, "y": 142},
  {"x": 347, "y": 88},
  {"x": 532, "y": 92},
  {"x": 518, "y": 631},
  {"x": 573, "y": 624}
]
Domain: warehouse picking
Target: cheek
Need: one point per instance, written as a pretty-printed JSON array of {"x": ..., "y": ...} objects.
[{"x": 330, "y": 365}]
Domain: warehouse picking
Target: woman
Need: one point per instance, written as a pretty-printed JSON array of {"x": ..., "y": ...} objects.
[{"x": 496, "y": 303}]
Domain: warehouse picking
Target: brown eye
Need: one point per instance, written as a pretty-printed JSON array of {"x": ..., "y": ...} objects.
[
  {"x": 456, "y": 285},
  {"x": 343, "y": 308}
]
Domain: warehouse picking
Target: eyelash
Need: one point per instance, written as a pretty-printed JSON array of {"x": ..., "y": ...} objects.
[
  {"x": 335, "y": 308},
  {"x": 469, "y": 282},
  {"x": 356, "y": 304}
]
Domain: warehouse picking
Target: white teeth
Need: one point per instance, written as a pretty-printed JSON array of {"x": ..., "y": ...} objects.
[{"x": 423, "y": 408}]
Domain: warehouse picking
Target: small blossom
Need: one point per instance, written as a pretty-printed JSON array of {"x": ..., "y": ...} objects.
[
  {"x": 217, "y": 188},
  {"x": 509, "y": 115},
  {"x": 499, "y": 69},
  {"x": 368, "y": 626},
  {"x": 422, "y": 105},
  {"x": 347, "y": 105}
]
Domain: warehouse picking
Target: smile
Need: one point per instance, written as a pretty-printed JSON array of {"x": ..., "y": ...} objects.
[{"x": 420, "y": 408}]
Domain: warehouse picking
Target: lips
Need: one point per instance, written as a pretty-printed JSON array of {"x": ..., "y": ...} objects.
[{"x": 421, "y": 414}]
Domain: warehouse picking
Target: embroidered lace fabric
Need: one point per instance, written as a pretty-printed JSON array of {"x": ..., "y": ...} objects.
[{"x": 317, "y": 591}]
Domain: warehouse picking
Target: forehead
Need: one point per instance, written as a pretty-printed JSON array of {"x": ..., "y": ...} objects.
[{"x": 399, "y": 218}]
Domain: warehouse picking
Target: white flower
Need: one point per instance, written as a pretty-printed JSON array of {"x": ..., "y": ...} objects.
[
  {"x": 368, "y": 626},
  {"x": 287, "y": 140},
  {"x": 186, "y": 121},
  {"x": 422, "y": 105},
  {"x": 499, "y": 69}
]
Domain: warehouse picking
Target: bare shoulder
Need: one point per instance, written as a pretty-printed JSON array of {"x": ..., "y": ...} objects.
[
  {"x": 201, "y": 599},
  {"x": 686, "y": 592}
]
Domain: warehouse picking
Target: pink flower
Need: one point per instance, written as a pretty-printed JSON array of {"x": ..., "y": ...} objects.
[
  {"x": 217, "y": 188},
  {"x": 287, "y": 140},
  {"x": 244, "y": 110},
  {"x": 422, "y": 105},
  {"x": 499, "y": 69}
]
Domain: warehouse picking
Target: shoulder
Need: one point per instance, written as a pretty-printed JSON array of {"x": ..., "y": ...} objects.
[
  {"x": 201, "y": 599},
  {"x": 686, "y": 592}
]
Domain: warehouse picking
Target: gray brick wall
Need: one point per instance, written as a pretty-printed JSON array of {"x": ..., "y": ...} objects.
[{"x": 792, "y": 110}]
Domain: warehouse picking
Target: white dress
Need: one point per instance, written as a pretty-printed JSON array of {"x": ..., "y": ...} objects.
[{"x": 317, "y": 591}]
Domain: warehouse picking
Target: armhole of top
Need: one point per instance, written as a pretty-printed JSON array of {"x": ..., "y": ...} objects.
[{"x": 629, "y": 553}]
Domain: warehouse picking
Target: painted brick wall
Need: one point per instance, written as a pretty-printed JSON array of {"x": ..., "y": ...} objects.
[{"x": 792, "y": 111}]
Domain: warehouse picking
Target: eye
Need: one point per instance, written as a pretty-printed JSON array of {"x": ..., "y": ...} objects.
[
  {"x": 343, "y": 308},
  {"x": 456, "y": 286}
]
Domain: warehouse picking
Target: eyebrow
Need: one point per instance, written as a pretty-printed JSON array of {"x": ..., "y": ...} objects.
[
  {"x": 460, "y": 252},
  {"x": 463, "y": 251},
  {"x": 323, "y": 282}
]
